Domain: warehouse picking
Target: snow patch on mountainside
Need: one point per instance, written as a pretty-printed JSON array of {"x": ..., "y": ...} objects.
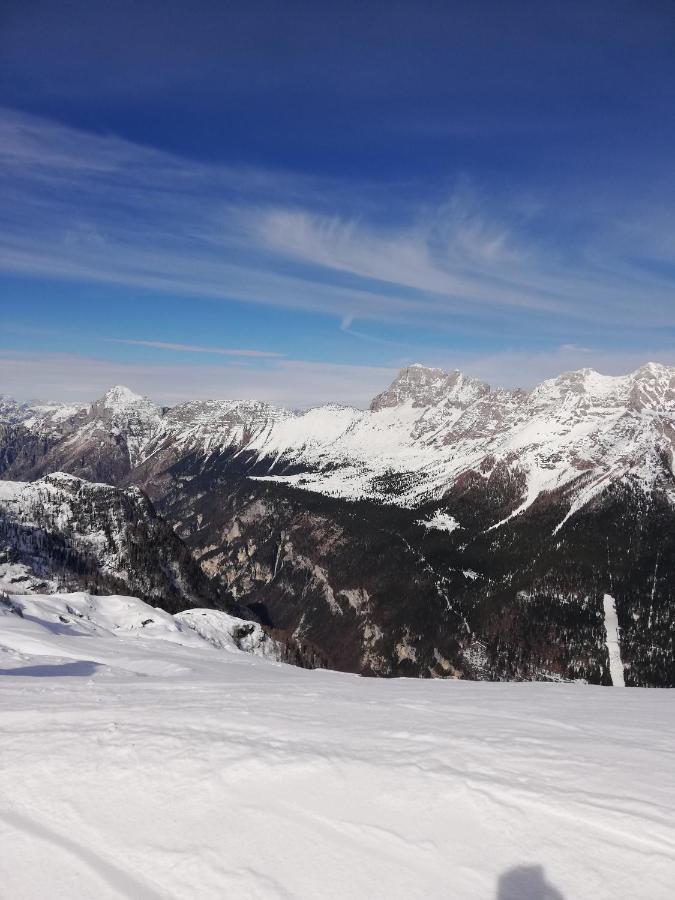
[
  {"x": 19, "y": 578},
  {"x": 10, "y": 490},
  {"x": 613, "y": 638},
  {"x": 441, "y": 522}
]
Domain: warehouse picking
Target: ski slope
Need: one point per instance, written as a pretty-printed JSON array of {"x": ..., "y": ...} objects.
[{"x": 142, "y": 761}]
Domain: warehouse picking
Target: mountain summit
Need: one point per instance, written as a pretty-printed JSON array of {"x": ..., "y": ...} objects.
[{"x": 425, "y": 387}]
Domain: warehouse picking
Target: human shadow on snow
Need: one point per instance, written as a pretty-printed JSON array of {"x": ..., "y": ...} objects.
[{"x": 526, "y": 883}]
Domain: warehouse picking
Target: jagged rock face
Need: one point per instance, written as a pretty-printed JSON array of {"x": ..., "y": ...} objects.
[
  {"x": 221, "y": 420},
  {"x": 80, "y": 534},
  {"x": 22, "y": 451},
  {"x": 317, "y": 521},
  {"x": 382, "y": 594},
  {"x": 313, "y": 569},
  {"x": 423, "y": 387},
  {"x": 11, "y": 412},
  {"x": 132, "y": 419}
]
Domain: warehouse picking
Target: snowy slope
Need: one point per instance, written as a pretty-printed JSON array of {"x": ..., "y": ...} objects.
[
  {"x": 580, "y": 431},
  {"x": 139, "y": 761},
  {"x": 11, "y": 411},
  {"x": 226, "y": 632},
  {"x": 40, "y": 628},
  {"x": 42, "y": 417}
]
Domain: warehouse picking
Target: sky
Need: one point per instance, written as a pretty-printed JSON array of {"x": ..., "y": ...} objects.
[{"x": 293, "y": 200}]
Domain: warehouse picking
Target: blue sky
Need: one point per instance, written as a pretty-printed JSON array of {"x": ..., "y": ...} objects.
[{"x": 293, "y": 200}]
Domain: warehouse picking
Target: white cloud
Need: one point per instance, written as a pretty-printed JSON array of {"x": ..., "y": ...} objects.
[
  {"x": 438, "y": 256},
  {"x": 101, "y": 209},
  {"x": 192, "y": 348},
  {"x": 461, "y": 264}
]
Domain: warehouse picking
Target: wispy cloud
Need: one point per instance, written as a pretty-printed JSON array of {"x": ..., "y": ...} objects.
[
  {"x": 443, "y": 257},
  {"x": 96, "y": 208},
  {"x": 191, "y": 348}
]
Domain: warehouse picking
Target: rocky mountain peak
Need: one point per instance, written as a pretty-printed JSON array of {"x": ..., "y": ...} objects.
[
  {"x": 426, "y": 387},
  {"x": 121, "y": 405},
  {"x": 651, "y": 384},
  {"x": 119, "y": 397},
  {"x": 654, "y": 375},
  {"x": 653, "y": 387}
]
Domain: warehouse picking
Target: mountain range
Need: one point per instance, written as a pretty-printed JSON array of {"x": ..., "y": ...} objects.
[{"x": 451, "y": 529}]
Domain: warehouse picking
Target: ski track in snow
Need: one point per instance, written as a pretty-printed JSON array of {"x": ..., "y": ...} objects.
[
  {"x": 215, "y": 774},
  {"x": 613, "y": 647}
]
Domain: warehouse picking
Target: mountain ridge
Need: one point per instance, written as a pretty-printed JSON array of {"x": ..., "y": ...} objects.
[
  {"x": 475, "y": 534},
  {"x": 120, "y": 394},
  {"x": 434, "y": 423}
]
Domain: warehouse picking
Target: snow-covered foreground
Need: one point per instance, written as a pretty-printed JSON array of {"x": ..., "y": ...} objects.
[{"x": 141, "y": 761}]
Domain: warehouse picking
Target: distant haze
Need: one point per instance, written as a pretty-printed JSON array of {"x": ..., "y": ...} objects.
[{"x": 288, "y": 383}]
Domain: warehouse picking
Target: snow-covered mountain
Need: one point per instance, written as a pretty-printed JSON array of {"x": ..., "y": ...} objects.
[
  {"x": 450, "y": 529},
  {"x": 63, "y": 530},
  {"x": 577, "y": 433},
  {"x": 63, "y": 533}
]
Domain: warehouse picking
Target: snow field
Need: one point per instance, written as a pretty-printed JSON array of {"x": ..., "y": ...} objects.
[{"x": 149, "y": 764}]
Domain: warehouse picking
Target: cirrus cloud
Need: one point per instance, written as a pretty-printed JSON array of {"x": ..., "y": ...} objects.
[{"x": 99, "y": 209}]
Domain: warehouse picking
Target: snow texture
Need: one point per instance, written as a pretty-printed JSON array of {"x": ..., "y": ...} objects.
[
  {"x": 225, "y": 632},
  {"x": 613, "y": 646},
  {"x": 441, "y": 522},
  {"x": 140, "y": 761}
]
